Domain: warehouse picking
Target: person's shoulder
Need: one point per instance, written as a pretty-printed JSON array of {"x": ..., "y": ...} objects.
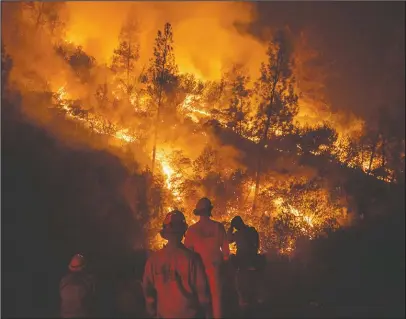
[
  {"x": 75, "y": 278},
  {"x": 66, "y": 278},
  {"x": 188, "y": 253},
  {"x": 153, "y": 256},
  {"x": 185, "y": 250},
  {"x": 218, "y": 224},
  {"x": 192, "y": 228},
  {"x": 191, "y": 255},
  {"x": 194, "y": 225}
]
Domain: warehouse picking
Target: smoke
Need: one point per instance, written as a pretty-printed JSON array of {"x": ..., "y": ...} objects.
[
  {"x": 205, "y": 34},
  {"x": 96, "y": 27},
  {"x": 206, "y": 41},
  {"x": 30, "y": 50},
  {"x": 209, "y": 38},
  {"x": 312, "y": 76}
]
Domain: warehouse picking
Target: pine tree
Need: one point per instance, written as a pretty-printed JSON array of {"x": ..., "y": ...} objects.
[
  {"x": 126, "y": 55},
  {"x": 162, "y": 76},
  {"x": 277, "y": 99},
  {"x": 239, "y": 100}
]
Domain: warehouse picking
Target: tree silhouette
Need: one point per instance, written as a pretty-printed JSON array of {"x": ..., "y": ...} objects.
[
  {"x": 385, "y": 142},
  {"x": 276, "y": 97},
  {"x": 82, "y": 63},
  {"x": 317, "y": 140},
  {"x": 215, "y": 94},
  {"x": 126, "y": 55},
  {"x": 162, "y": 75},
  {"x": 45, "y": 14},
  {"x": 233, "y": 87}
]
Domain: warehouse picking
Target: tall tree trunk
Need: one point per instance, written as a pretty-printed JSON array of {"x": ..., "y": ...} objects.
[
  {"x": 262, "y": 144},
  {"x": 241, "y": 117},
  {"x": 156, "y": 133},
  {"x": 371, "y": 159},
  {"x": 264, "y": 138},
  {"x": 161, "y": 82},
  {"x": 257, "y": 181}
]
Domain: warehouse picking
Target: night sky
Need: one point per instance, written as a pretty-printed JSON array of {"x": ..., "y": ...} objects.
[{"x": 364, "y": 40}]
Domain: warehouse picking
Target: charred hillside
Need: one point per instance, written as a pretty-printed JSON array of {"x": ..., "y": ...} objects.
[
  {"x": 364, "y": 194},
  {"x": 57, "y": 200}
]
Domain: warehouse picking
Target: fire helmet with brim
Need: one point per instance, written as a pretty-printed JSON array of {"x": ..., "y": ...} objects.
[
  {"x": 174, "y": 223},
  {"x": 203, "y": 207},
  {"x": 77, "y": 263}
]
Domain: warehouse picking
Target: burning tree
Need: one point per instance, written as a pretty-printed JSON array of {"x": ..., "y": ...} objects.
[
  {"x": 45, "y": 14},
  {"x": 317, "y": 140},
  {"x": 162, "y": 75},
  {"x": 377, "y": 151},
  {"x": 235, "y": 99},
  {"x": 125, "y": 56},
  {"x": 277, "y": 100}
]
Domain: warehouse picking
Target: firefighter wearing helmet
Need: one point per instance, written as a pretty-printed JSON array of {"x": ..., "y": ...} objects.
[
  {"x": 174, "y": 283},
  {"x": 208, "y": 238},
  {"x": 77, "y": 290},
  {"x": 249, "y": 266}
]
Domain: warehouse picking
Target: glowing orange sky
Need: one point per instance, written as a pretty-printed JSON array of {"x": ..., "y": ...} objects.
[{"x": 204, "y": 35}]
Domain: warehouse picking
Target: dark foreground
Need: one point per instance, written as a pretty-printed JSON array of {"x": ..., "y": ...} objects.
[{"x": 49, "y": 213}]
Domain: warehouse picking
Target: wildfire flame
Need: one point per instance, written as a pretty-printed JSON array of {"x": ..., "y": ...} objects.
[
  {"x": 173, "y": 179},
  {"x": 222, "y": 42},
  {"x": 187, "y": 105},
  {"x": 123, "y": 135},
  {"x": 169, "y": 174},
  {"x": 62, "y": 99}
]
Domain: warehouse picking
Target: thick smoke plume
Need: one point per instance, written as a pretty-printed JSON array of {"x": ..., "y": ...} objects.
[
  {"x": 205, "y": 34},
  {"x": 209, "y": 38}
]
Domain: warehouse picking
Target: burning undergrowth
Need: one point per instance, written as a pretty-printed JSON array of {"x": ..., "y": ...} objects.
[{"x": 244, "y": 140}]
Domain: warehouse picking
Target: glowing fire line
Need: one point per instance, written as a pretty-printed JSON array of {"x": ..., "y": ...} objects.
[
  {"x": 171, "y": 177},
  {"x": 187, "y": 105},
  {"x": 94, "y": 123}
]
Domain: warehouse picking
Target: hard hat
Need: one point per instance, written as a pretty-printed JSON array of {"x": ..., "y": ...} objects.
[
  {"x": 77, "y": 263},
  {"x": 203, "y": 207},
  {"x": 174, "y": 223}
]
